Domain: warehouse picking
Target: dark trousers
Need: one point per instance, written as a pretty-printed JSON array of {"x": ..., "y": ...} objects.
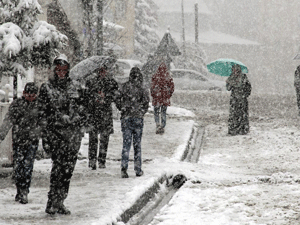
[
  {"x": 64, "y": 156},
  {"x": 24, "y": 156},
  {"x": 93, "y": 145}
]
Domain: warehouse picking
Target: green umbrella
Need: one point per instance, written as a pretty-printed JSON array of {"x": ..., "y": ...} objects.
[{"x": 223, "y": 67}]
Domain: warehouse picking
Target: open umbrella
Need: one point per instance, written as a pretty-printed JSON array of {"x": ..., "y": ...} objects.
[
  {"x": 223, "y": 67},
  {"x": 87, "y": 66}
]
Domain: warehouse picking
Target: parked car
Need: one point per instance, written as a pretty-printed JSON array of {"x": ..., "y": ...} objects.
[
  {"x": 192, "y": 80},
  {"x": 123, "y": 67}
]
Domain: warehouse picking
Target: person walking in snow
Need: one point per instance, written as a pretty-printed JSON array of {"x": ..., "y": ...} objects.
[
  {"x": 133, "y": 102},
  {"x": 62, "y": 139},
  {"x": 23, "y": 117},
  {"x": 101, "y": 93},
  {"x": 162, "y": 88},
  {"x": 240, "y": 87},
  {"x": 297, "y": 87}
]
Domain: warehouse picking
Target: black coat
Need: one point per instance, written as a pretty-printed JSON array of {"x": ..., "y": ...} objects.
[
  {"x": 57, "y": 102},
  {"x": 24, "y": 117},
  {"x": 100, "y": 95}
]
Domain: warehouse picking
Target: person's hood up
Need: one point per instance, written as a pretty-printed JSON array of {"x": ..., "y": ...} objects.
[
  {"x": 136, "y": 76},
  {"x": 162, "y": 72},
  {"x": 61, "y": 58}
]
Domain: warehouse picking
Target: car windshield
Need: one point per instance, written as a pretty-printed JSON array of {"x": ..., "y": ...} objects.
[{"x": 123, "y": 65}]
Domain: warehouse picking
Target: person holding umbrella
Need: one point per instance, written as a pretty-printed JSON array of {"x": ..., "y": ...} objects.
[
  {"x": 62, "y": 137},
  {"x": 101, "y": 92},
  {"x": 240, "y": 87}
]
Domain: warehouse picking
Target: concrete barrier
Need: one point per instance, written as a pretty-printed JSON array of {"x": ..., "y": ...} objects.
[{"x": 6, "y": 152}]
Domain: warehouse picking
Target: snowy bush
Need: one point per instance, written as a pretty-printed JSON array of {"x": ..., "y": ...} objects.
[{"x": 25, "y": 41}]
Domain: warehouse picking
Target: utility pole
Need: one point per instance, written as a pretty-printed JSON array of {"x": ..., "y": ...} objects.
[
  {"x": 196, "y": 24},
  {"x": 100, "y": 27},
  {"x": 183, "y": 33}
]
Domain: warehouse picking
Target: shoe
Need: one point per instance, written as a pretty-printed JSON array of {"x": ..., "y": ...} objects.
[
  {"x": 102, "y": 165},
  {"x": 23, "y": 196},
  {"x": 50, "y": 207},
  {"x": 139, "y": 174},
  {"x": 124, "y": 173},
  {"x": 18, "y": 195},
  {"x": 162, "y": 130},
  {"x": 158, "y": 129},
  {"x": 92, "y": 164},
  {"x": 63, "y": 210}
]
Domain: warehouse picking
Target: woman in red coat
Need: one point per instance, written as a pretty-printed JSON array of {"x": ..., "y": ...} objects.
[{"x": 162, "y": 88}]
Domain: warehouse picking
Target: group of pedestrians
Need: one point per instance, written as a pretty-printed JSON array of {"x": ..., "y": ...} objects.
[{"x": 59, "y": 116}]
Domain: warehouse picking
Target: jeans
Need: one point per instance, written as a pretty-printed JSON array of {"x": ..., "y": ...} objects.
[
  {"x": 24, "y": 156},
  {"x": 132, "y": 129},
  {"x": 160, "y": 115}
]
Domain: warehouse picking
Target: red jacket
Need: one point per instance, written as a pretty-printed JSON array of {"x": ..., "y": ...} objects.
[{"x": 162, "y": 86}]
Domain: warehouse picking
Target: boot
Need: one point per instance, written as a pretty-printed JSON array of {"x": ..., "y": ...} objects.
[
  {"x": 139, "y": 174},
  {"x": 162, "y": 130},
  {"x": 50, "y": 209},
  {"x": 18, "y": 195},
  {"x": 92, "y": 164},
  {"x": 63, "y": 210},
  {"x": 158, "y": 129},
  {"x": 23, "y": 196},
  {"x": 124, "y": 173}
]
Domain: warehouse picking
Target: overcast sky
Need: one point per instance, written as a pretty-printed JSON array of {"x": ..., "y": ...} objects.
[{"x": 175, "y": 5}]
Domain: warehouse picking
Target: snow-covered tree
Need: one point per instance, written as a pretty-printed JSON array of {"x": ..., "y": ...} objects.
[
  {"x": 194, "y": 58},
  {"x": 145, "y": 38},
  {"x": 24, "y": 40}
]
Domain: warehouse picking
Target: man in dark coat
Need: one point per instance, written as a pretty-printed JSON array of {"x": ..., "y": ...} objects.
[
  {"x": 297, "y": 87},
  {"x": 101, "y": 93},
  {"x": 23, "y": 117},
  {"x": 63, "y": 135},
  {"x": 240, "y": 87},
  {"x": 133, "y": 102}
]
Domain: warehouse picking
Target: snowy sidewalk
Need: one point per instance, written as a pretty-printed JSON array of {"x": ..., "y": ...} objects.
[{"x": 102, "y": 196}]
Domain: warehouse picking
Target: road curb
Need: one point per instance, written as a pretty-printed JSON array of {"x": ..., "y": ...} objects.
[{"x": 150, "y": 193}]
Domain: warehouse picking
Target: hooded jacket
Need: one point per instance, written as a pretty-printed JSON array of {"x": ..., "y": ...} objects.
[
  {"x": 24, "y": 119},
  {"x": 162, "y": 86},
  {"x": 134, "y": 97}
]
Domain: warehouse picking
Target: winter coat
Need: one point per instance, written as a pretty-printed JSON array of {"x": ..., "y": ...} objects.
[
  {"x": 297, "y": 78},
  {"x": 239, "y": 86},
  {"x": 98, "y": 99},
  {"x": 24, "y": 119},
  {"x": 134, "y": 97},
  {"x": 57, "y": 101},
  {"x": 162, "y": 86}
]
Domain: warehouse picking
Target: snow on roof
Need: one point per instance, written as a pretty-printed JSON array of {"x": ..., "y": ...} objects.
[{"x": 188, "y": 5}]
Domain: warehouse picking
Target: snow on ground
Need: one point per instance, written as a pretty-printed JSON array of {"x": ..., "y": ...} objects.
[{"x": 250, "y": 179}]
